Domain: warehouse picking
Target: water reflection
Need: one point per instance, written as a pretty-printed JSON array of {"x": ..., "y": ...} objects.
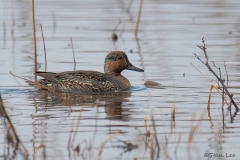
[
  {"x": 15, "y": 147},
  {"x": 115, "y": 111},
  {"x": 112, "y": 102},
  {"x": 167, "y": 45}
]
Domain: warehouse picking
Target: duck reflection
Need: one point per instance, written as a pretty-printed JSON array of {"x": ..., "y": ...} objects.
[
  {"x": 112, "y": 102},
  {"x": 115, "y": 111}
]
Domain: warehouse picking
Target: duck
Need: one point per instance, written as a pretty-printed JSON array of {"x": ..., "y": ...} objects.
[{"x": 90, "y": 82}]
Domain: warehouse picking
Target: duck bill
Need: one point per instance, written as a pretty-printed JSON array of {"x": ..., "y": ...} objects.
[{"x": 133, "y": 68}]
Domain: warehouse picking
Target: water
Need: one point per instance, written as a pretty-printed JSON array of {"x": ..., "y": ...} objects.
[{"x": 169, "y": 33}]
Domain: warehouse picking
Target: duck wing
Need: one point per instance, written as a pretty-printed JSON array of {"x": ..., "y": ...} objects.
[{"x": 79, "y": 81}]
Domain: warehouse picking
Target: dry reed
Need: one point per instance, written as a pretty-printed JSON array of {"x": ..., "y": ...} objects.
[
  {"x": 104, "y": 143},
  {"x": 45, "y": 53},
  {"x": 12, "y": 130},
  {"x": 34, "y": 37},
  {"x": 74, "y": 59},
  {"x": 139, "y": 16},
  {"x": 219, "y": 78}
]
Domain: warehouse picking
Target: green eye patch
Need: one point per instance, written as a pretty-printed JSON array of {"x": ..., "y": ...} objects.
[{"x": 114, "y": 57}]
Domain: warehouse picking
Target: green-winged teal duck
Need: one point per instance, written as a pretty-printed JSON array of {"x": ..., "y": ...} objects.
[{"x": 90, "y": 82}]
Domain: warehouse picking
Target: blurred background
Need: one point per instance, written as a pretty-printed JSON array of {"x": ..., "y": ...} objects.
[{"x": 168, "y": 120}]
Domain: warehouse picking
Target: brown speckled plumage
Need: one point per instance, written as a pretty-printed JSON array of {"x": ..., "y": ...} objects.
[{"x": 90, "y": 82}]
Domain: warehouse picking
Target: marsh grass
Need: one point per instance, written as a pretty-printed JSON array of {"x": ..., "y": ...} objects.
[
  {"x": 34, "y": 38},
  {"x": 74, "y": 59},
  {"x": 45, "y": 52},
  {"x": 157, "y": 148},
  {"x": 85, "y": 148},
  {"x": 213, "y": 86},
  {"x": 220, "y": 80},
  {"x": 13, "y": 141}
]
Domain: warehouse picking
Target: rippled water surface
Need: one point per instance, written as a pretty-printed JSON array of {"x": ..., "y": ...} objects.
[{"x": 165, "y": 121}]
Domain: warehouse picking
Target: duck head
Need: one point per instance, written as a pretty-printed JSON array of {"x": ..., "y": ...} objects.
[{"x": 116, "y": 62}]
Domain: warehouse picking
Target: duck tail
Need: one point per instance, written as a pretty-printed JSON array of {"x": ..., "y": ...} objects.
[
  {"x": 47, "y": 75},
  {"x": 42, "y": 84}
]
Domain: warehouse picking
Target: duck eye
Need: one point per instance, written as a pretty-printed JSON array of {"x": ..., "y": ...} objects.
[{"x": 119, "y": 57}]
